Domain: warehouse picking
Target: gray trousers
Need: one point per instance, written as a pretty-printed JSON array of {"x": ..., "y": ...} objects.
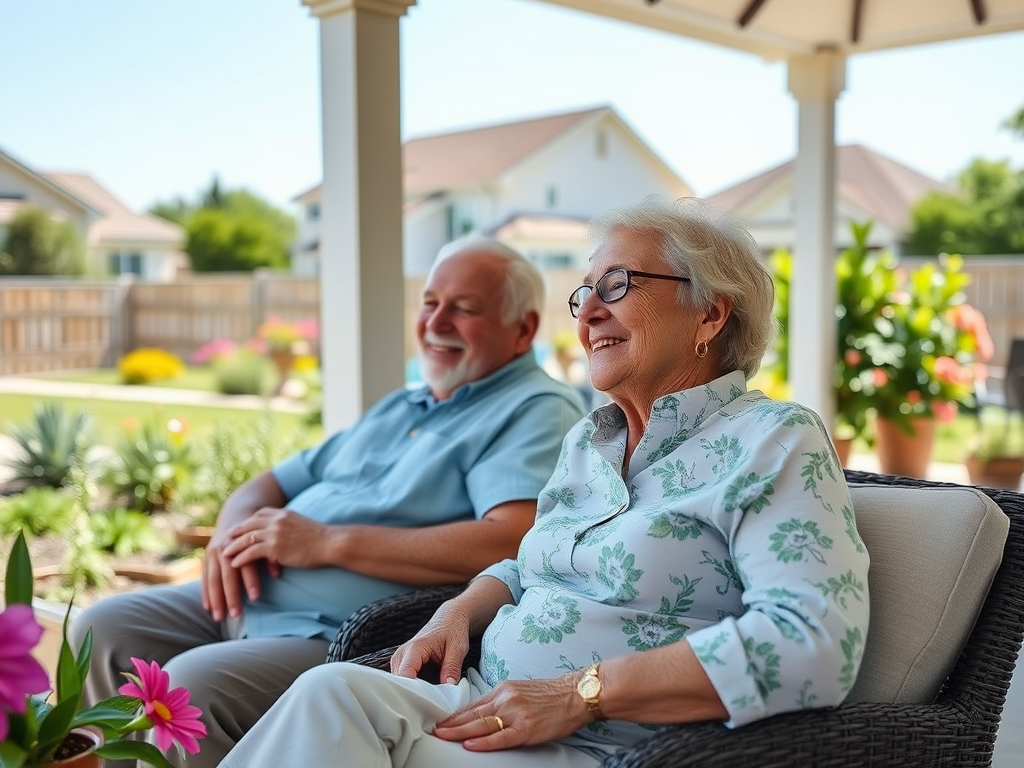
[{"x": 233, "y": 680}]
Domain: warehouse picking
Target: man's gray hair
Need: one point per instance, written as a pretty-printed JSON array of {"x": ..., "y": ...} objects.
[
  {"x": 721, "y": 259},
  {"x": 524, "y": 285}
]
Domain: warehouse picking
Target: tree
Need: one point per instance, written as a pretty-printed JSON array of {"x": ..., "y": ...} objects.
[
  {"x": 36, "y": 244},
  {"x": 987, "y": 217},
  {"x": 231, "y": 231}
]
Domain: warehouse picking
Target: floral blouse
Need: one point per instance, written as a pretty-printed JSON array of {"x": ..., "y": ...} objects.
[{"x": 732, "y": 527}]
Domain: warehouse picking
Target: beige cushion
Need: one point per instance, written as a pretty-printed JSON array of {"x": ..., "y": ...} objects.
[{"x": 934, "y": 552}]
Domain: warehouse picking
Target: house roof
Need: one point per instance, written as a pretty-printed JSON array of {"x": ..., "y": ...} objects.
[
  {"x": 881, "y": 187},
  {"x": 48, "y": 184},
  {"x": 117, "y": 221},
  {"x": 478, "y": 155},
  {"x": 530, "y": 226}
]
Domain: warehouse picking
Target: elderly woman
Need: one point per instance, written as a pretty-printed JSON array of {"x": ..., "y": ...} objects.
[{"x": 694, "y": 555}]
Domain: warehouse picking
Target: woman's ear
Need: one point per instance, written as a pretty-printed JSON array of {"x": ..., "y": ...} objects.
[{"x": 716, "y": 315}]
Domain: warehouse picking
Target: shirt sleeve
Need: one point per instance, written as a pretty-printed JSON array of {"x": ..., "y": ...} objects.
[
  {"x": 305, "y": 468},
  {"x": 803, "y": 567},
  {"x": 519, "y": 461},
  {"x": 507, "y": 572}
]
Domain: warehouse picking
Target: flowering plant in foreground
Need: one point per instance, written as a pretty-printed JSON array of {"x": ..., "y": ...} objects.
[{"x": 33, "y": 728}]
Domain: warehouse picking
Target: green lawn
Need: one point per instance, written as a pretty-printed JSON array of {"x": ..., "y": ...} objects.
[{"x": 111, "y": 416}]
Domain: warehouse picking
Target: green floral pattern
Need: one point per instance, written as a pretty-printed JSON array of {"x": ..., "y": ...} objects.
[{"x": 730, "y": 527}]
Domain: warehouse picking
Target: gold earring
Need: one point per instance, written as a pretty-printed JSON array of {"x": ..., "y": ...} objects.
[{"x": 701, "y": 349}]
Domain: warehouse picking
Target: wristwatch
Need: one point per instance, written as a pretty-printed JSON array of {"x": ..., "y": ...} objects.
[{"x": 589, "y": 689}]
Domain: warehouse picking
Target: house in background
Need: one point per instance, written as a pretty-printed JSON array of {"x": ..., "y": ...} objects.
[
  {"x": 532, "y": 184},
  {"x": 118, "y": 240},
  {"x": 869, "y": 186}
]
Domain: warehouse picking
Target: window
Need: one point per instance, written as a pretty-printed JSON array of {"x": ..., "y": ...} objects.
[
  {"x": 552, "y": 260},
  {"x": 601, "y": 143},
  {"x": 313, "y": 211},
  {"x": 123, "y": 263},
  {"x": 458, "y": 219},
  {"x": 552, "y": 196}
]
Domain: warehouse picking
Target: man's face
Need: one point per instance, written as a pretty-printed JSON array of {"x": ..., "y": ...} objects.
[{"x": 460, "y": 330}]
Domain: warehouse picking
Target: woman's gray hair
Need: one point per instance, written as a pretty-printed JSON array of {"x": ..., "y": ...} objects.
[
  {"x": 524, "y": 285},
  {"x": 721, "y": 259}
]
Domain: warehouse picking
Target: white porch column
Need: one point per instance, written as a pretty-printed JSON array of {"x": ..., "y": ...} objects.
[
  {"x": 361, "y": 281},
  {"x": 816, "y": 82}
]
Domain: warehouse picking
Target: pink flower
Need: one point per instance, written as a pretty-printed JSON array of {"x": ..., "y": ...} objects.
[
  {"x": 944, "y": 410},
  {"x": 20, "y": 673},
  {"x": 949, "y": 370},
  {"x": 173, "y": 718},
  {"x": 914, "y": 396},
  {"x": 880, "y": 377},
  {"x": 852, "y": 357}
]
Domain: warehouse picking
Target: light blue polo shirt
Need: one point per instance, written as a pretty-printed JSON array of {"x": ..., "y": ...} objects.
[{"x": 411, "y": 461}]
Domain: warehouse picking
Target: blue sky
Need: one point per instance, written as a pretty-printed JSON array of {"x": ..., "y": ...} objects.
[{"x": 154, "y": 97}]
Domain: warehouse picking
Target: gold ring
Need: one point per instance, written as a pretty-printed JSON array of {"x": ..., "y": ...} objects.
[
  {"x": 252, "y": 538},
  {"x": 500, "y": 722}
]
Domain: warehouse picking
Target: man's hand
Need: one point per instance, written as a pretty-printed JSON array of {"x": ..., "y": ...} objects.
[
  {"x": 281, "y": 537},
  {"x": 223, "y": 583}
]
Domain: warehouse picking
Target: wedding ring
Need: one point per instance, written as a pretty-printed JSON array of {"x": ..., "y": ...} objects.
[
  {"x": 252, "y": 538},
  {"x": 500, "y": 722}
]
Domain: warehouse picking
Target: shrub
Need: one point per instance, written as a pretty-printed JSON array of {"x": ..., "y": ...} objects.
[
  {"x": 148, "y": 465},
  {"x": 37, "y": 511},
  {"x": 243, "y": 373},
  {"x": 232, "y": 456},
  {"x": 49, "y": 445},
  {"x": 149, "y": 364},
  {"x": 125, "y": 531}
]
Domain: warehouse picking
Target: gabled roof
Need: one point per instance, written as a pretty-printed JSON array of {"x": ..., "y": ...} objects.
[
  {"x": 881, "y": 187},
  {"x": 542, "y": 225},
  {"x": 48, "y": 184},
  {"x": 117, "y": 221},
  {"x": 478, "y": 155},
  {"x": 481, "y": 155}
]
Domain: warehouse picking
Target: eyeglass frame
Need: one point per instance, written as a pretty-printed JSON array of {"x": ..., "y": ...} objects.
[{"x": 630, "y": 274}]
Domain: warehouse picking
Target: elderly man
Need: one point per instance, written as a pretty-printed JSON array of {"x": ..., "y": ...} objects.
[{"x": 430, "y": 486}]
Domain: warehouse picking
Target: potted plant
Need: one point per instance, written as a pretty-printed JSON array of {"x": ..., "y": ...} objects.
[
  {"x": 36, "y": 731},
  {"x": 908, "y": 348},
  {"x": 284, "y": 342},
  {"x": 996, "y": 458},
  {"x": 865, "y": 280}
]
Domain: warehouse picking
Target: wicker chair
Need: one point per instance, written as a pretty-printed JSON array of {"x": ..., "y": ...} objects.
[{"x": 957, "y": 728}]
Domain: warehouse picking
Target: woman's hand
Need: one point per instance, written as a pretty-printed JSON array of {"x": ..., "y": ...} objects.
[
  {"x": 518, "y": 713},
  {"x": 444, "y": 640}
]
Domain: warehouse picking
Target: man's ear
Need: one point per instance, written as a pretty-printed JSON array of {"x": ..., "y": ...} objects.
[{"x": 527, "y": 330}]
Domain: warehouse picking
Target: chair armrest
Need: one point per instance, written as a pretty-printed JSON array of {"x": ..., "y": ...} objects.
[
  {"x": 853, "y": 735},
  {"x": 388, "y": 622}
]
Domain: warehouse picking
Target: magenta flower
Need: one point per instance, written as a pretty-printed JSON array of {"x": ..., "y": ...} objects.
[
  {"x": 173, "y": 718},
  {"x": 20, "y": 673}
]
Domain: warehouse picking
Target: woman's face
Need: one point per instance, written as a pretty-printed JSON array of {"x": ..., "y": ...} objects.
[{"x": 641, "y": 346}]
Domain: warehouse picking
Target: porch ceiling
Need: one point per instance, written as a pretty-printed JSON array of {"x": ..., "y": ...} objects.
[{"x": 780, "y": 29}]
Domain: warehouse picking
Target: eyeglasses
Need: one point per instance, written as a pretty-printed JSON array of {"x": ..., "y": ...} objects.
[{"x": 612, "y": 286}]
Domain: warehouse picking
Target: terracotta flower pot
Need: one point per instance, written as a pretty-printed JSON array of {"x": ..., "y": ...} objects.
[
  {"x": 997, "y": 472},
  {"x": 904, "y": 454},
  {"x": 843, "y": 446},
  {"x": 78, "y": 750}
]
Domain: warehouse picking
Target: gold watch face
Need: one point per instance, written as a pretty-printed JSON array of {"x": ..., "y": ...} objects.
[{"x": 589, "y": 687}]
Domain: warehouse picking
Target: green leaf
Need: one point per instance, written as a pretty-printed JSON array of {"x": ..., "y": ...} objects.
[
  {"x": 134, "y": 750},
  {"x": 11, "y": 755},
  {"x": 18, "y": 579}
]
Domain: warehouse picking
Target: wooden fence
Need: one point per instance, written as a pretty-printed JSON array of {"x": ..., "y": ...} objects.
[{"x": 49, "y": 324}]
